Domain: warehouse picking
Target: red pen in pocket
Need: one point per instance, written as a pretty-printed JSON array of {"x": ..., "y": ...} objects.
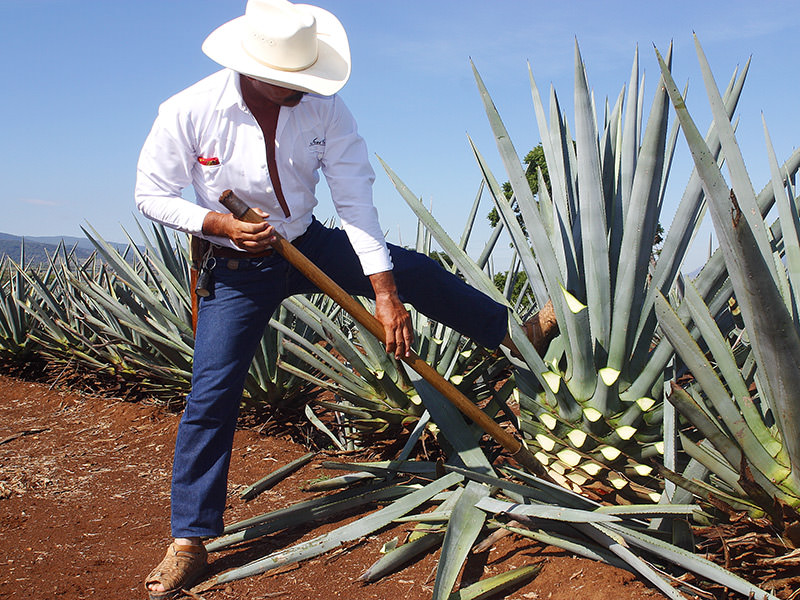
[{"x": 208, "y": 161}]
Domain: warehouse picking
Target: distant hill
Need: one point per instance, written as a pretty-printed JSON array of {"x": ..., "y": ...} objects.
[{"x": 38, "y": 248}]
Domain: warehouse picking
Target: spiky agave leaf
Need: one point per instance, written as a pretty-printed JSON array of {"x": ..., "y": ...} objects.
[
  {"x": 606, "y": 426},
  {"x": 371, "y": 392},
  {"x": 15, "y": 323},
  {"x": 583, "y": 527},
  {"x": 766, "y": 297},
  {"x": 573, "y": 402},
  {"x": 335, "y": 538},
  {"x": 466, "y": 521}
]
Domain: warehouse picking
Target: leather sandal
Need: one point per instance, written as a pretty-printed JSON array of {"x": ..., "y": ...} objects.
[{"x": 180, "y": 569}]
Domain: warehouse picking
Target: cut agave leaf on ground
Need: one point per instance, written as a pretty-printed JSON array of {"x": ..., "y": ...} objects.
[
  {"x": 347, "y": 533},
  {"x": 690, "y": 561},
  {"x": 334, "y": 483},
  {"x": 603, "y": 536},
  {"x": 649, "y": 510},
  {"x": 402, "y": 555},
  {"x": 387, "y": 468},
  {"x": 579, "y": 547},
  {"x": 309, "y": 510},
  {"x": 426, "y": 517},
  {"x": 314, "y": 419},
  {"x": 416, "y": 434},
  {"x": 466, "y": 523},
  {"x": 276, "y": 476},
  {"x": 490, "y": 587},
  {"x": 423, "y": 538},
  {"x": 543, "y": 511}
]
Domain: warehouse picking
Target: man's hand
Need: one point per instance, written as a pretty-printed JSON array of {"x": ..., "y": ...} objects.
[
  {"x": 252, "y": 237},
  {"x": 392, "y": 314}
]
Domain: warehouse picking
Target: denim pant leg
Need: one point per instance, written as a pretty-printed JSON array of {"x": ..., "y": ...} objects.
[
  {"x": 421, "y": 282},
  {"x": 230, "y": 324}
]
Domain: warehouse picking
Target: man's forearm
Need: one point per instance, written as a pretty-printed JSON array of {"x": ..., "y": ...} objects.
[
  {"x": 383, "y": 284},
  {"x": 217, "y": 224}
]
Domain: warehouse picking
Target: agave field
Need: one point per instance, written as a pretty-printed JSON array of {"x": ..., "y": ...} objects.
[{"x": 665, "y": 406}]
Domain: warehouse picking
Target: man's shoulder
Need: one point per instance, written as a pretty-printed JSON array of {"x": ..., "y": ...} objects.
[
  {"x": 204, "y": 94},
  {"x": 326, "y": 107},
  {"x": 318, "y": 102}
]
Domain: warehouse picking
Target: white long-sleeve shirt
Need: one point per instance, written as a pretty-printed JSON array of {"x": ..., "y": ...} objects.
[{"x": 207, "y": 137}]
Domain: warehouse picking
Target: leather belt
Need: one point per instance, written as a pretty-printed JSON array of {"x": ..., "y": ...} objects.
[{"x": 226, "y": 252}]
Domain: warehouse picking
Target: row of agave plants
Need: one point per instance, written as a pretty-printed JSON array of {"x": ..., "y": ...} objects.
[
  {"x": 127, "y": 315},
  {"x": 629, "y": 453}
]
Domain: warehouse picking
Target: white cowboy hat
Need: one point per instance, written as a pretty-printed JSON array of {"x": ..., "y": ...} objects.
[{"x": 297, "y": 46}]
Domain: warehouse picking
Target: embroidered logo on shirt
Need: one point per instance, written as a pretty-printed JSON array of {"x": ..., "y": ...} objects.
[
  {"x": 317, "y": 144},
  {"x": 208, "y": 162}
]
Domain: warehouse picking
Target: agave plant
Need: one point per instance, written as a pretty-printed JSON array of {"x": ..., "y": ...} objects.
[
  {"x": 371, "y": 390},
  {"x": 593, "y": 403},
  {"x": 88, "y": 315},
  {"x": 366, "y": 396},
  {"x": 128, "y": 314},
  {"x": 165, "y": 290},
  {"x": 742, "y": 401},
  {"x": 15, "y": 345}
]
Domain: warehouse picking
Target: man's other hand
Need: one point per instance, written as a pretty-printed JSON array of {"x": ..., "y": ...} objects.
[
  {"x": 391, "y": 313},
  {"x": 251, "y": 237}
]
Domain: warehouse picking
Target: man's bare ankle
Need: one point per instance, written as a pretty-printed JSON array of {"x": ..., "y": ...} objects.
[{"x": 192, "y": 541}]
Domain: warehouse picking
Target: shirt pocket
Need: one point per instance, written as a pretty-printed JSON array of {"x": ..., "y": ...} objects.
[
  {"x": 210, "y": 173},
  {"x": 211, "y": 180},
  {"x": 310, "y": 145},
  {"x": 315, "y": 145}
]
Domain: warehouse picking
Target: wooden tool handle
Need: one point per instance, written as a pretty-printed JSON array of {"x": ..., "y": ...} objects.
[{"x": 327, "y": 285}]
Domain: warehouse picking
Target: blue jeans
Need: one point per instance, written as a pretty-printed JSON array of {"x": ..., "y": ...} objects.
[{"x": 231, "y": 322}]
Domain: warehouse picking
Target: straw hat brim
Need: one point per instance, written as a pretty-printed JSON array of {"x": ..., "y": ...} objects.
[{"x": 325, "y": 77}]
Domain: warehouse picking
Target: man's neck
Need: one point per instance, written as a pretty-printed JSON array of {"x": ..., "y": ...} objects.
[
  {"x": 263, "y": 95},
  {"x": 256, "y": 102},
  {"x": 266, "y": 113}
]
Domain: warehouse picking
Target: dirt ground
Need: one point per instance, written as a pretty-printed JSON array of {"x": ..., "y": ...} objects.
[{"x": 84, "y": 513}]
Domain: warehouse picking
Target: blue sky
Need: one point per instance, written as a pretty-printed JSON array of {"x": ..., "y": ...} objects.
[{"x": 83, "y": 80}]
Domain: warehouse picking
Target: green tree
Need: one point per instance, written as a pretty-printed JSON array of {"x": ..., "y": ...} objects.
[
  {"x": 441, "y": 258},
  {"x": 519, "y": 284},
  {"x": 533, "y": 161}
]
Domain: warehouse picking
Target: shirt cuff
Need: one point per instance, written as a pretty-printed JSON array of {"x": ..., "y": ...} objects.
[
  {"x": 195, "y": 215},
  {"x": 375, "y": 261}
]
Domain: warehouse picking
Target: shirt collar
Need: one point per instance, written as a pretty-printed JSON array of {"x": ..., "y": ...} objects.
[{"x": 231, "y": 93}]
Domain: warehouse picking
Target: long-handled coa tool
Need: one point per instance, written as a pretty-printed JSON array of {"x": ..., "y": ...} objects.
[{"x": 518, "y": 451}]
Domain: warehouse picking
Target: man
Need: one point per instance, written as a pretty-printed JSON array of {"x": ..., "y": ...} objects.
[{"x": 263, "y": 127}]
